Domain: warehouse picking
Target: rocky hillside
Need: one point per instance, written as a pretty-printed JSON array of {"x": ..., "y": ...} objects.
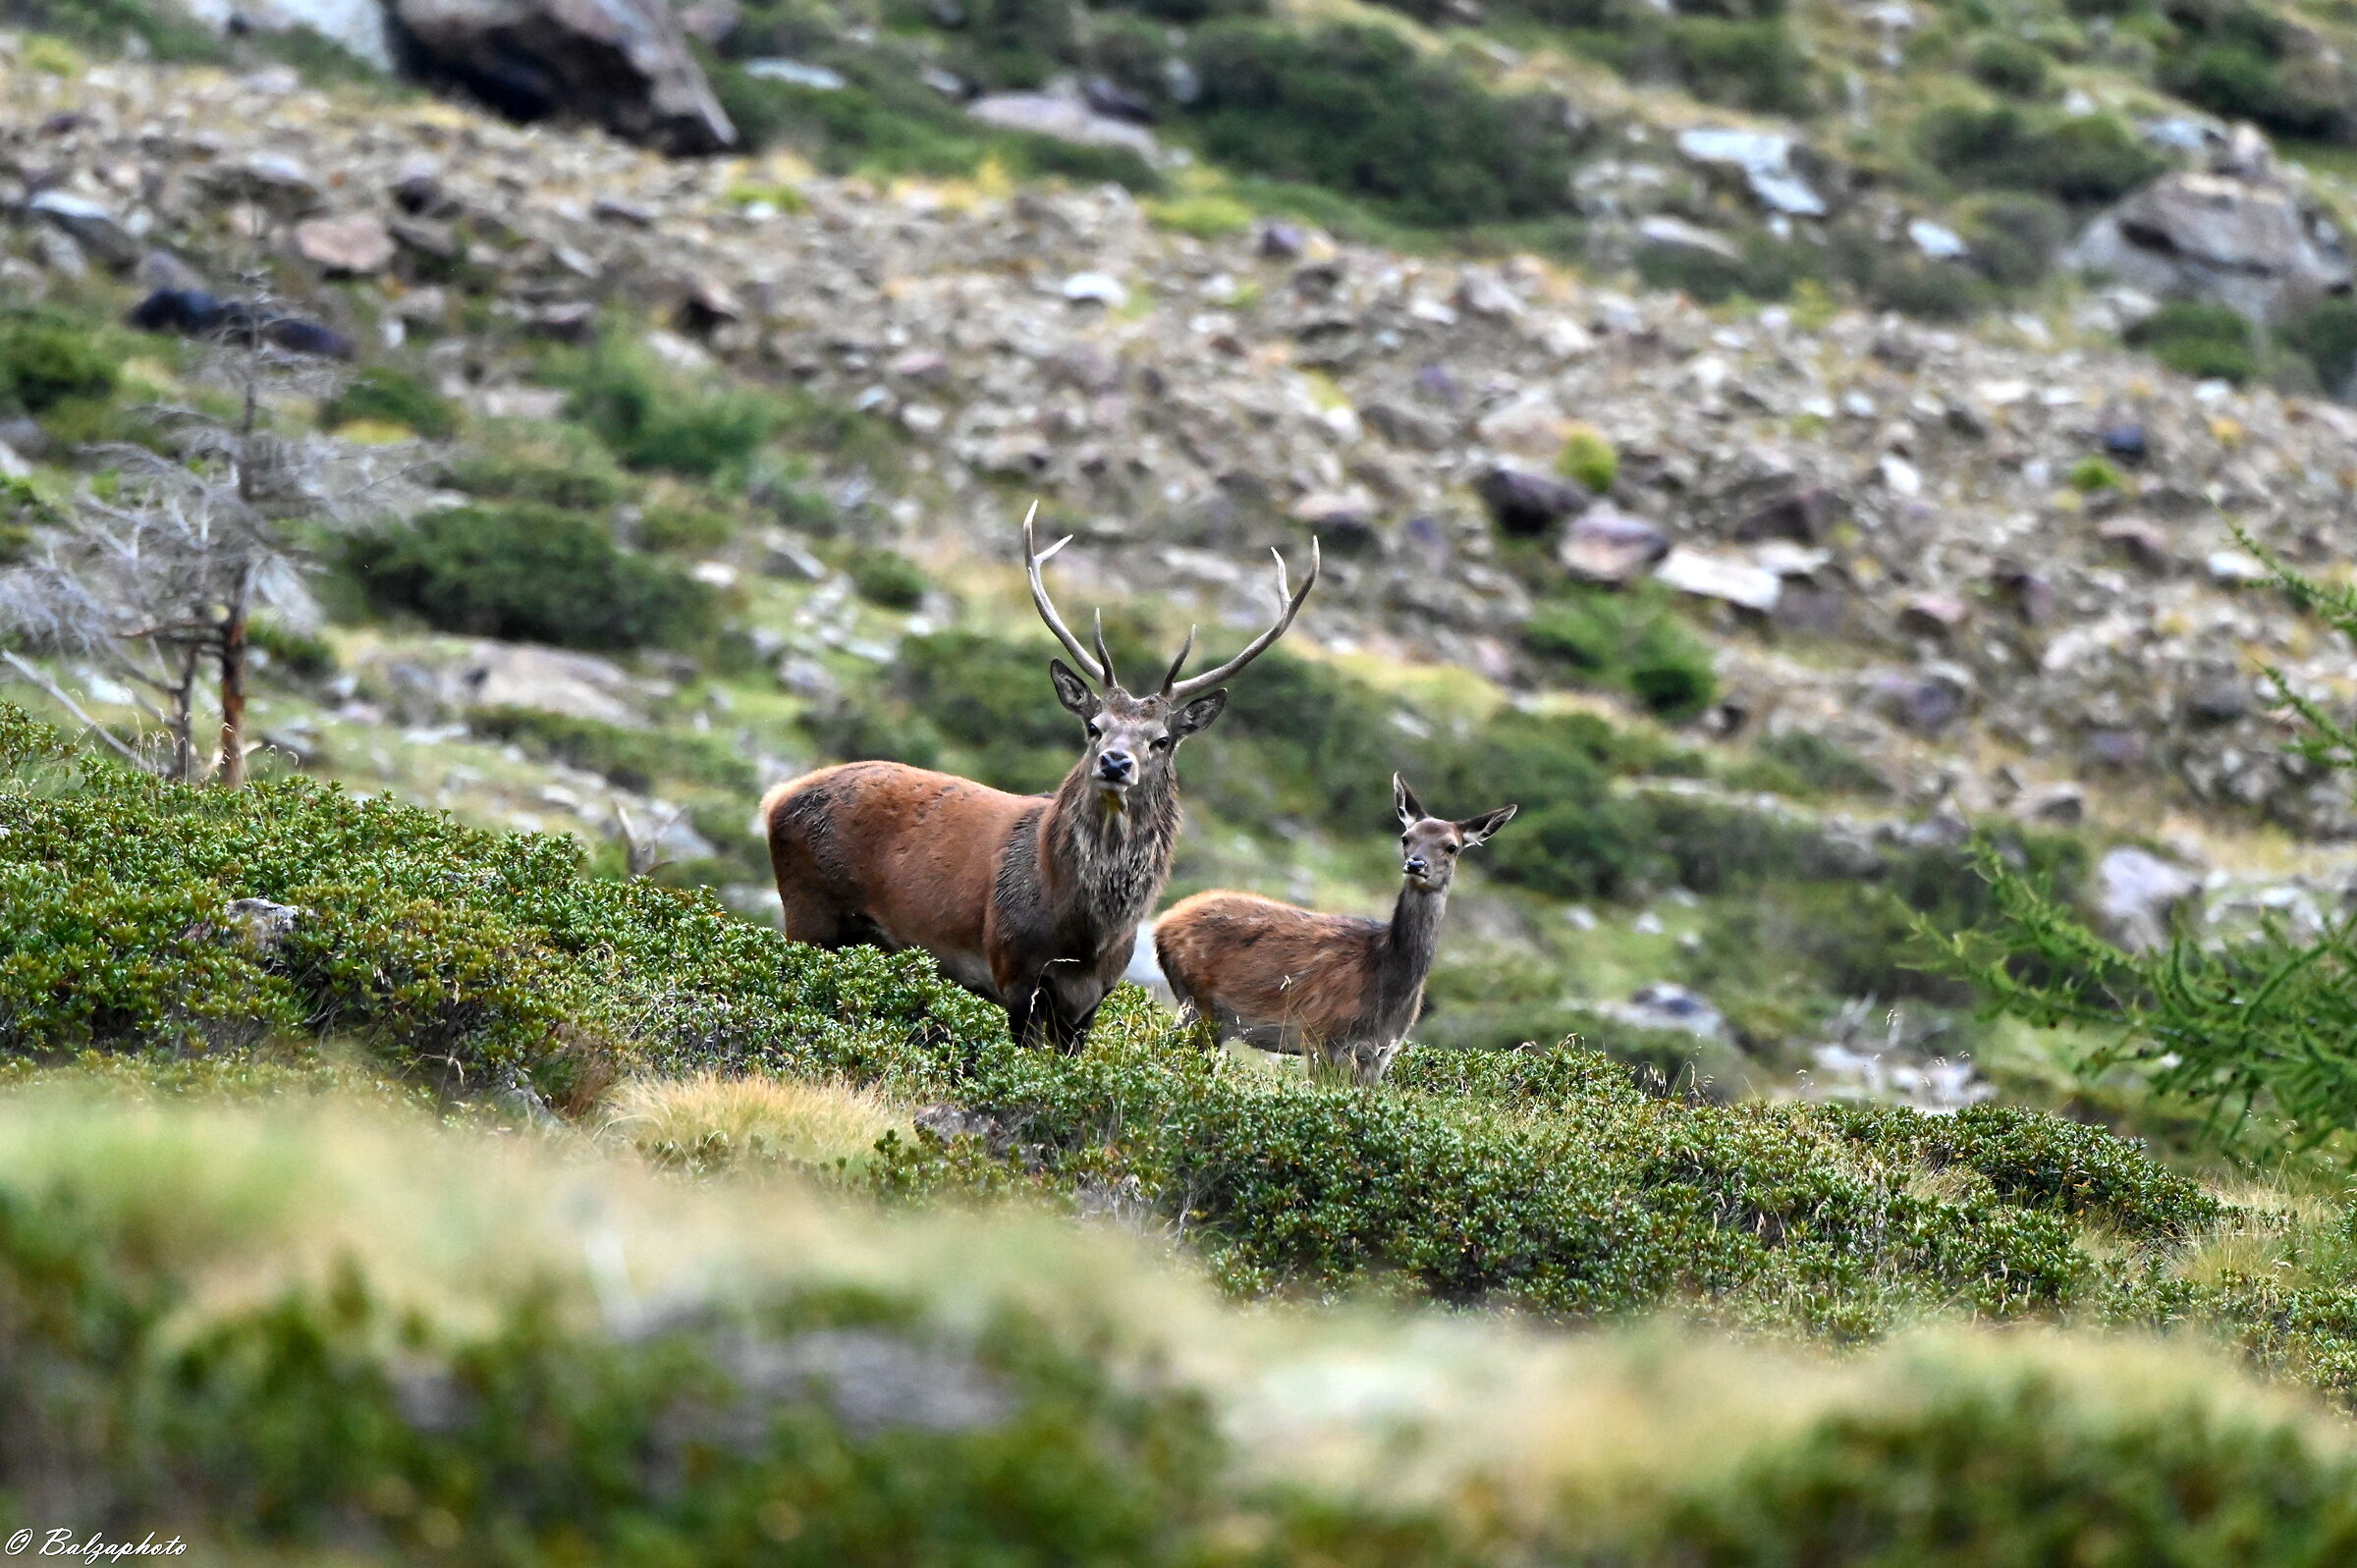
[{"x": 1748, "y": 600}]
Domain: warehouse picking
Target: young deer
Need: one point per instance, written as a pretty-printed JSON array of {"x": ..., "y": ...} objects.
[
  {"x": 1032, "y": 901},
  {"x": 1343, "y": 988}
]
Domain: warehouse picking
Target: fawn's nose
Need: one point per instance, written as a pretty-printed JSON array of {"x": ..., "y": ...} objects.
[
  {"x": 1116, "y": 766},
  {"x": 1415, "y": 866}
]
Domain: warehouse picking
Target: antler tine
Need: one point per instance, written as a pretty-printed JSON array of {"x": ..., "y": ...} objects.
[
  {"x": 1104, "y": 654},
  {"x": 1033, "y": 555},
  {"x": 1171, "y": 675},
  {"x": 1260, "y": 644}
]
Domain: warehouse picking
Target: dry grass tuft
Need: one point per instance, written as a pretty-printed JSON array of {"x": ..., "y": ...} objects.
[{"x": 718, "y": 1123}]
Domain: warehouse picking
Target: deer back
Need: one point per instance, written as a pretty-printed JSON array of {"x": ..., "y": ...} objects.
[
  {"x": 1264, "y": 962},
  {"x": 913, "y": 852}
]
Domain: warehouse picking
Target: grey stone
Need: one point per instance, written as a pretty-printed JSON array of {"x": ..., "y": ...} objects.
[
  {"x": 624, "y": 64},
  {"x": 1065, "y": 118},
  {"x": 92, "y": 227},
  {"x": 2138, "y": 895},
  {"x": 1525, "y": 503},
  {"x": 2246, "y": 239},
  {"x": 795, "y": 73},
  {"x": 1764, "y": 158},
  {"x": 1611, "y": 547},
  {"x": 355, "y": 246}
]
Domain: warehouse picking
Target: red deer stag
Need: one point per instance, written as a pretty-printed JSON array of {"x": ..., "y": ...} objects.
[
  {"x": 1342, "y": 988},
  {"x": 1030, "y": 900}
]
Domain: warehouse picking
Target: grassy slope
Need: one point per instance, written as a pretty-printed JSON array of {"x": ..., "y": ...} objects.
[{"x": 280, "y": 1329}]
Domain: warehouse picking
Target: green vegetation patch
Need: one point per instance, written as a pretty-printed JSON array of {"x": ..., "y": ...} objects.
[
  {"x": 47, "y": 359},
  {"x": 533, "y": 573},
  {"x": 1628, "y": 640},
  {"x": 1356, "y": 110}
]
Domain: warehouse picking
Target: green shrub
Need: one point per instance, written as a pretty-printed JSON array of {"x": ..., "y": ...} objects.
[
  {"x": 653, "y": 419},
  {"x": 1746, "y": 65},
  {"x": 304, "y": 655},
  {"x": 2092, "y": 475},
  {"x": 1355, "y": 109},
  {"x": 1546, "y": 1178},
  {"x": 533, "y": 573},
  {"x": 551, "y": 466},
  {"x": 886, "y": 121},
  {"x": 46, "y": 359},
  {"x": 2246, "y": 62},
  {"x": 685, "y": 527},
  {"x": 886, "y": 577},
  {"x": 2326, "y": 336},
  {"x": 2009, "y": 66},
  {"x": 2015, "y": 236},
  {"x": 115, "y": 25},
  {"x": 2198, "y": 340},
  {"x": 2075, "y": 158},
  {"x": 394, "y": 397},
  {"x": 629, "y": 759},
  {"x": 1812, "y": 764},
  {"x": 1588, "y": 459},
  {"x": 1633, "y": 640},
  {"x": 1768, "y": 269}
]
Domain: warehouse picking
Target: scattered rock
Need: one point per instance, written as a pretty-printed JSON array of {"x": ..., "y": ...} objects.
[
  {"x": 92, "y": 227},
  {"x": 2138, "y": 895},
  {"x": 1764, "y": 159},
  {"x": 356, "y": 245},
  {"x": 1065, "y": 118},
  {"x": 1096, "y": 287},
  {"x": 261, "y": 925},
  {"x": 1667, "y": 1006},
  {"x": 1611, "y": 547},
  {"x": 515, "y": 675},
  {"x": 2238, "y": 234},
  {"x": 1527, "y": 505},
  {"x": 1932, "y": 615},
  {"x": 1676, "y": 234},
  {"x": 623, "y": 63},
  {"x": 1721, "y": 577},
  {"x": 2062, "y": 804},
  {"x": 795, "y": 74},
  {"x": 2142, "y": 541},
  {"x": 1926, "y": 702},
  {"x": 1937, "y": 242}
]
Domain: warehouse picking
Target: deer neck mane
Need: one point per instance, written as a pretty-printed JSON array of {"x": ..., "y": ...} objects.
[
  {"x": 1403, "y": 957},
  {"x": 1109, "y": 861}
]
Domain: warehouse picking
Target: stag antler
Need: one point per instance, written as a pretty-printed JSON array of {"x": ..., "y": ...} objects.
[
  {"x": 1174, "y": 690},
  {"x": 1033, "y": 558}
]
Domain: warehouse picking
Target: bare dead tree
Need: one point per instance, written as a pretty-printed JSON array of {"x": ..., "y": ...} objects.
[
  {"x": 150, "y": 583},
  {"x": 156, "y": 578}
]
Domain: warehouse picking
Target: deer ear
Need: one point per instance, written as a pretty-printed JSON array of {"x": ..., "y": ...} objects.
[
  {"x": 1073, "y": 691},
  {"x": 1404, "y": 801},
  {"x": 1198, "y": 714},
  {"x": 1477, "y": 829}
]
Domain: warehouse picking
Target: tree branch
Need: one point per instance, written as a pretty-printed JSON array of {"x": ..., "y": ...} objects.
[{"x": 74, "y": 708}]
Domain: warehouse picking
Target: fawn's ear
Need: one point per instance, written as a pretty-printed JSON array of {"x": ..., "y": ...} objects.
[
  {"x": 1198, "y": 714},
  {"x": 1073, "y": 692},
  {"x": 1477, "y": 829},
  {"x": 1404, "y": 801}
]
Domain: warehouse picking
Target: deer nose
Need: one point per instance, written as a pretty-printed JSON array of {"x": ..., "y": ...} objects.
[
  {"x": 1416, "y": 866},
  {"x": 1112, "y": 764}
]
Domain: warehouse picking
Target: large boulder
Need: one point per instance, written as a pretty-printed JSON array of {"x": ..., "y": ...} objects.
[
  {"x": 2237, "y": 234},
  {"x": 623, "y": 62}
]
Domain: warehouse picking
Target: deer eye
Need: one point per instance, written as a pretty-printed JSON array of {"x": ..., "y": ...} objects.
[
  {"x": 1161, "y": 742},
  {"x": 1095, "y": 730}
]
